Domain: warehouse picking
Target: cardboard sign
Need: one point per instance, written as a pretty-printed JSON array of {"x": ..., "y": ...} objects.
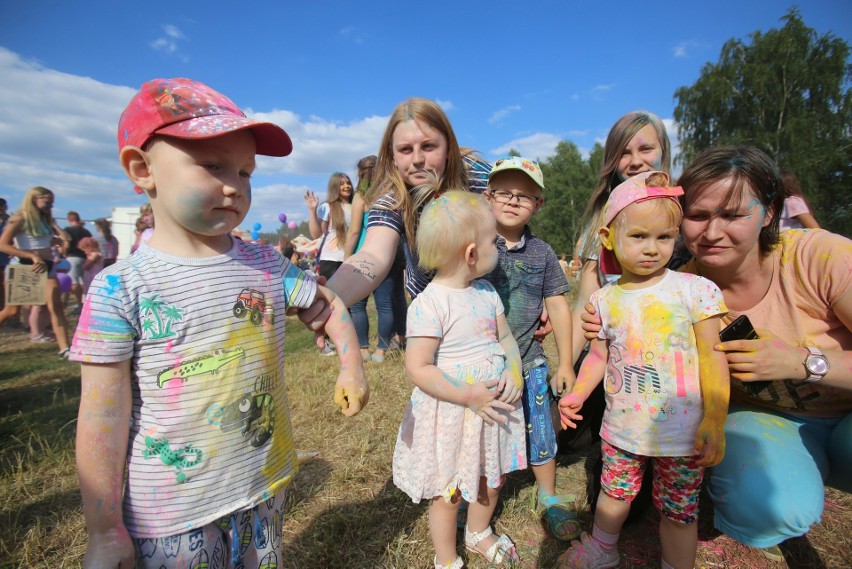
[{"x": 24, "y": 285}]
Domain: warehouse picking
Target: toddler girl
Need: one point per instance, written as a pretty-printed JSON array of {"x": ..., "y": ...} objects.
[
  {"x": 662, "y": 406},
  {"x": 94, "y": 262},
  {"x": 463, "y": 429}
]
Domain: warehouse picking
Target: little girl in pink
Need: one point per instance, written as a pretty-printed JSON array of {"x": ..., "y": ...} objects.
[{"x": 94, "y": 262}]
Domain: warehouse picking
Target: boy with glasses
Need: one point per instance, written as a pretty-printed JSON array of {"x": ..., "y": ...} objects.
[{"x": 529, "y": 279}]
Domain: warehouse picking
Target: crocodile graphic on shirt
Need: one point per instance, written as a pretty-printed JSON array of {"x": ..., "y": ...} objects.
[
  {"x": 200, "y": 366},
  {"x": 181, "y": 458}
]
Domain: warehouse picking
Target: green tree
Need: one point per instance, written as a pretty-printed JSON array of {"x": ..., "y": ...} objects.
[
  {"x": 569, "y": 180},
  {"x": 787, "y": 93}
]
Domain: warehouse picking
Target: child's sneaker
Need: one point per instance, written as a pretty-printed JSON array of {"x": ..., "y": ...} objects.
[{"x": 587, "y": 553}]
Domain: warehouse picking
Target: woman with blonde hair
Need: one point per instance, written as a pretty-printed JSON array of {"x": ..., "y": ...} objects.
[{"x": 28, "y": 236}]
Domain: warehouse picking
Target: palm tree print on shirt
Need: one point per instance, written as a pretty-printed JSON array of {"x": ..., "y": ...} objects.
[{"x": 158, "y": 317}]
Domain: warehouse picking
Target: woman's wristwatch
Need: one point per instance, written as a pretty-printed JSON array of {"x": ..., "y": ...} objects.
[{"x": 816, "y": 364}]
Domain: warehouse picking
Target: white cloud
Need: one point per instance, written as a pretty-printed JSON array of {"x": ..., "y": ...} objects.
[
  {"x": 59, "y": 130},
  {"x": 447, "y": 106},
  {"x": 503, "y": 113},
  {"x": 168, "y": 43},
  {"x": 685, "y": 48},
  {"x": 353, "y": 35},
  {"x": 598, "y": 91},
  {"x": 536, "y": 146}
]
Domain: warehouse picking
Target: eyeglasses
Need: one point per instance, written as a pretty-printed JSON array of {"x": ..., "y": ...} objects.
[{"x": 505, "y": 196}]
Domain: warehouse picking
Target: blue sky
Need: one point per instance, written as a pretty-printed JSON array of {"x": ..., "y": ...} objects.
[{"x": 521, "y": 75}]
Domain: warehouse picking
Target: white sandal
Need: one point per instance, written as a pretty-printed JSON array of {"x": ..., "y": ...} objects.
[
  {"x": 500, "y": 549},
  {"x": 456, "y": 564}
]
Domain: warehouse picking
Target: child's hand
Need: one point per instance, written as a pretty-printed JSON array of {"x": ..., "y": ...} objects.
[
  {"x": 351, "y": 391},
  {"x": 511, "y": 385},
  {"x": 483, "y": 401},
  {"x": 591, "y": 322},
  {"x": 569, "y": 407},
  {"x": 114, "y": 548},
  {"x": 562, "y": 380},
  {"x": 710, "y": 442}
]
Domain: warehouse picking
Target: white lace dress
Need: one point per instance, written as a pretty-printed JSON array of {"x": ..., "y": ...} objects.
[{"x": 443, "y": 447}]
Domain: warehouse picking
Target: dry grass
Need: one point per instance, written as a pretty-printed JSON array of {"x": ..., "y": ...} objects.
[{"x": 345, "y": 510}]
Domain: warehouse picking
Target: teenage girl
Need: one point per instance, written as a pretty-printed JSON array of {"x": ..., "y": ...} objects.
[
  {"x": 463, "y": 430},
  {"x": 28, "y": 235}
]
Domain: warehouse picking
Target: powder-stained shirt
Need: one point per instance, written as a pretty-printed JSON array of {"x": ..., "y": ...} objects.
[
  {"x": 210, "y": 432},
  {"x": 811, "y": 271},
  {"x": 653, "y": 394},
  {"x": 524, "y": 276}
]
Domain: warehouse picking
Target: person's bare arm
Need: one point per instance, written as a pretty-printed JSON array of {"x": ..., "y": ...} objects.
[
  {"x": 771, "y": 358},
  {"x": 715, "y": 392},
  {"x": 560, "y": 315},
  {"x": 591, "y": 374},
  {"x": 103, "y": 426},
  {"x": 808, "y": 220},
  {"x": 351, "y": 391},
  {"x": 315, "y": 226},
  {"x": 364, "y": 271},
  {"x": 354, "y": 231},
  {"x": 588, "y": 283}
]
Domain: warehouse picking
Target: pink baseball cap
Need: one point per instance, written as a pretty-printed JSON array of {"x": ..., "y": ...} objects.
[
  {"x": 633, "y": 190},
  {"x": 187, "y": 109}
]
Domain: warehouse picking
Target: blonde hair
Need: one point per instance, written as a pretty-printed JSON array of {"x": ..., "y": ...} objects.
[
  {"x": 36, "y": 222},
  {"x": 620, "y": 135},
  {"x": 386, "y": 177},
  {"x": 337, "y": 220},
  {"x": 449, "y": 223}
]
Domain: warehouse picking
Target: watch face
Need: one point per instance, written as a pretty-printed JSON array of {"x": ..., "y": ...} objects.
[{"x": 817, "y": 365}]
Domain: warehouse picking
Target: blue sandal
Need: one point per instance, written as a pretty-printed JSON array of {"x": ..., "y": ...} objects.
[{"x": 561, "y": 518}]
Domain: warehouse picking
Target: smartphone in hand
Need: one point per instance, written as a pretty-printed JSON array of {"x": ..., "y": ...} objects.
[{"x": 741, "y": 329}]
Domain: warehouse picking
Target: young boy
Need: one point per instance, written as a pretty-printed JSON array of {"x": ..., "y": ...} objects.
[
  {"x": 528, "y": 278},
  {"x": 182, "y": 349}
]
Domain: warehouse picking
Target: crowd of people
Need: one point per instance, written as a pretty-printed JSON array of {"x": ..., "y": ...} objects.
[{"x": 641, "y": 371}]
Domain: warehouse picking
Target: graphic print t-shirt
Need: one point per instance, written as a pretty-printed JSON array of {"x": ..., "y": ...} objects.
[
  {"x": 210, "y": 431},
  {"x": 653, "y": 395}
]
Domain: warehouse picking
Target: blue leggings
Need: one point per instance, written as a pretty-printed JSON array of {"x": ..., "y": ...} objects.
[{"x": 771, "y": 484}]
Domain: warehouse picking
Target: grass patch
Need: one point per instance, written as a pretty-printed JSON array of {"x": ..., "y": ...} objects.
[{"x": 344, "y": 510}]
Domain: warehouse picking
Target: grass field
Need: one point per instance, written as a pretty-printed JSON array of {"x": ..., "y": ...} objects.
[{"x": 345, "y": 511}]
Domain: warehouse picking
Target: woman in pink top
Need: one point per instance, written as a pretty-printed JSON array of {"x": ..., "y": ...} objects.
[
  {"x": 795, "y": 214},
  {"x": 795, "y": 434}
]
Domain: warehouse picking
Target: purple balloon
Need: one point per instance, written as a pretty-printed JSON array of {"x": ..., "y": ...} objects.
[
  {"x": 282, "y": 217},
  {"x": 292, "y": 225},
  {"x": 64, "y": 281}
]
